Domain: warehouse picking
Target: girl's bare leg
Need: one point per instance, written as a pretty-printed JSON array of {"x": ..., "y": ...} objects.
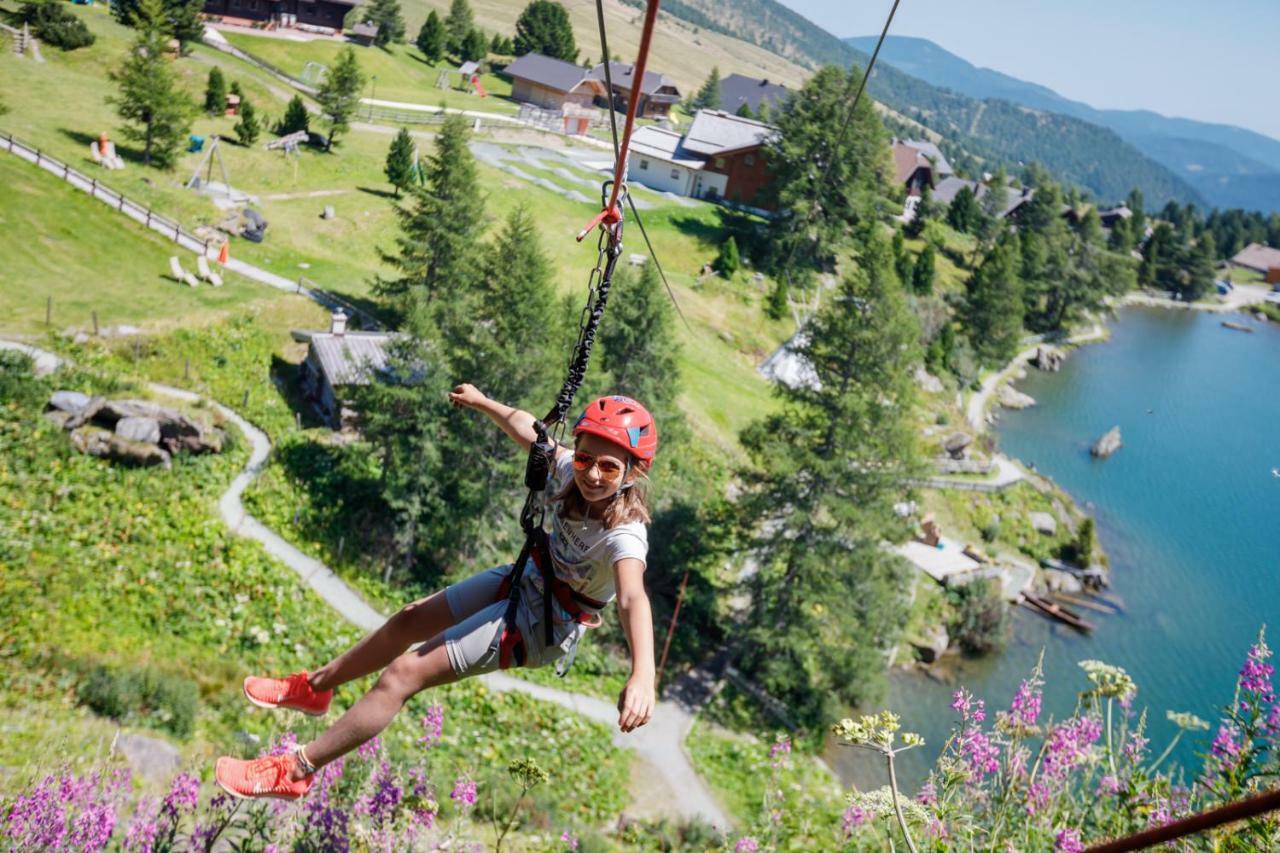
[
  {"x": 409, "y": 673},
  {"x": 413, "y": 623}
]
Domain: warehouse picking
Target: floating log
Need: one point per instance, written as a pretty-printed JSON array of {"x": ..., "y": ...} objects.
[
  {"x": 1054, "y": 611},
  {"x": 1238, "y": 327},
  {"x": 1084, "y": 602}
]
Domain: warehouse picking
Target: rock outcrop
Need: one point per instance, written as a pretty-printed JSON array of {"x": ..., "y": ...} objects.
[
  {"x": 134, "y": 432},
  {"x": 1012, "y": 398},
  {"x": 1048, "y": 358},
  {"x": 1108, "y": 444}
]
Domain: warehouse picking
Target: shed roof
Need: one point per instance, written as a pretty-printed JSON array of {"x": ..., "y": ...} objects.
[
  {"x": 656, "y": 142},
  {"x": 1258, "y": 257},
  {"x": 738, "y": 89},
  {"x": 949, "y": 187},
  {"x": 907, "y": 161},
  {"x": 716, "y": 131},
  {"x": 367, "y": 29},
  {"x": 940, "y": 165},
  {"x": 623, "y": 75},
  {"x": 352, "y": 357},
  {"x": 547, "y": 71},
  {"x": 469, "y": 67}
]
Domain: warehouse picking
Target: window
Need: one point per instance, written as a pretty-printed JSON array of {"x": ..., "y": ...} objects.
[
  {"x": 749, "y": 160},
  {"x": 719, "y": 162},
  {"x": 235, "y": 4},
  {"x": 675, "y": 174},
  {"x": 644, "y": 165}
]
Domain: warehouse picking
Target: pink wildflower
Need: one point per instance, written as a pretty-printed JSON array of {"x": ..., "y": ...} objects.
[
  {"x": 1226, "y": 745},
  {"x": 569, "y": 839},
  {"x": 1108, "y": 786},
  {"x": 432, "y": 725},
  {"x": 464, "y": 792},
  {"x": 978, "y": 752},
  {"x": 746, "y": 844},
  {"x": 935, "y": 828},
  {"x": 141, "y": 835},
  {"x": 928, "y": 794},
  {"x": 960, "y": 702},
  {"x": 1070, "y": 745},
  {"x": 1135, "y": 747},
  {"x": 980, "y": 711},
  {"x": 854, "y": 817},
  {"x": 1255, "y": 675},
  {"x": 1068, "y": 841},
  {"x": 370, "y": 748},
  {"x": 1037, "y": 797},
  {"x": 1024, "y": 710},
  {"x": 285, "y": 744},
  {"x": 779, "y": 751}
]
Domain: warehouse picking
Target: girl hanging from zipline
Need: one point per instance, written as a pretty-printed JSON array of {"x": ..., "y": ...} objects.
[{"x": 596, "y": 548}]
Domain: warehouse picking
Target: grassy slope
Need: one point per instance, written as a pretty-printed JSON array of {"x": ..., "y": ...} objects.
[{"x": 89, "y": 258}]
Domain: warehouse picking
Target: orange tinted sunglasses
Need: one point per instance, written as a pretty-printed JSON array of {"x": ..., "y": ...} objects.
[{"x": 610, "y": 469}]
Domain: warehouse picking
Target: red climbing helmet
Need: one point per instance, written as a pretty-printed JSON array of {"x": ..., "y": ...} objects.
[{"x": 624, "y": 422}]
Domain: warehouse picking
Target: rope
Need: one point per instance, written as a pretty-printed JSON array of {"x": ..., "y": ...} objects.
[
  {"x": 1239, "y": 810},
  {"x": 653, "y": 254},
  {"x": 637, "y": 84},
  {"x": 608, "y": 81}
]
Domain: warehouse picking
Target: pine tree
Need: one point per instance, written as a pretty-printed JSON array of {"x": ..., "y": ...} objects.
[
  {"x": 827, "y": 599},
  {"x": 1199, "y": 274},
  {"x": 495, "y": 44},
  {"x": 247, "y": 128},
  {"x": 215, "y": 93},
  {"x": 295, "y": 118},
  {"x": 903, "y": 263},
  {"x": 922, "y": 274},
  {"x": 236, "y": 90},
  {"x": 543, "y": 27},
  {"x": 728, "y": 261},
  {"x": 708, "y": 97},
  {"x": 639, "y": 349},
  {"x": 339, "y": 94},
  {"x": 474, "y": 47},
  {"x": 399, "y": 166},
  {"x": 156, "y": 110},
  {"x": 744, "y": 110},
  {"x": 458, "y": 25},
  {"x": 431, "y": 38},
  {"x": 963, "y": 213},
  {"x": 386, "y": 14},
  {"x": 993, "y": 307},
  {"x": 186, "y": 22},
  {"x": 438, "y": 257},
  {"x": 924, "y": 212},
  {"x": 762, "y": 112}
]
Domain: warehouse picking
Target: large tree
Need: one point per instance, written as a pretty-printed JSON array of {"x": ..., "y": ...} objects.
[
  {"x": 638, "y": 343},
  {"x": 386, "y": 14},
  {"x": 339, "y": 94},
  {"x": 963, "y": 213},
  {"x": 824, "y": 184},
  {"x": 474, "y": 47},
  {"x": 182, "y": 18},
  {"x": 431, "y": 38},
  {"x": 708, "y": 97},
  {"x": 543, "y": 27},
  {"x": 993, "y": 304},
  {"x": 215, "y": 92},
  {"x": 156, "y": 111},
  {"x": 399, "y": 167},
  {"x": 248, "y": 128},
  {"x": 827, "y": 599},
  {"x": 458, "y": 25},
  {"x": 439, "y": 260}
]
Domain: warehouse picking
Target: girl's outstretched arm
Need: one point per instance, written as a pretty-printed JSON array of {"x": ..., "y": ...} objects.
[
  {"x": 517, "y": 424},
  {"x": 635, "y": 705}
]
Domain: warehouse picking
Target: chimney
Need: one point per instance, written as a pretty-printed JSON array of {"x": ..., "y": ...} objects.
[{"x": 338, "y": 323}]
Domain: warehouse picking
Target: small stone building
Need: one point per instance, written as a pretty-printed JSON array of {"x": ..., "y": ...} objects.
[{"x": 336, "y": 361}]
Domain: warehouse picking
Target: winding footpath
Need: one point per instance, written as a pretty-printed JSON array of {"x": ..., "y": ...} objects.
[{"x": 661, "y": 742}]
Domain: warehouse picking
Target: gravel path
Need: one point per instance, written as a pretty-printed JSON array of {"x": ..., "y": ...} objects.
[{"x": 661, "y": 741}]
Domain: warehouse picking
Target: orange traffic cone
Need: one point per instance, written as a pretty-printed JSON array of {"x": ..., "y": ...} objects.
[{"x": 223, "y": 254}]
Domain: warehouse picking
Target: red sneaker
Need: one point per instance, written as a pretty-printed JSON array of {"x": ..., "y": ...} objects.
[
  {"x": 262, "y": 777},
  {"x": 293, "y": 691}
]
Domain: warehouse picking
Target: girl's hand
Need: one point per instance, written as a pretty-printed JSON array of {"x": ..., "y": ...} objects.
[
  {"x": 466, "y": 396},
  {"x": 635, "y": 704}
]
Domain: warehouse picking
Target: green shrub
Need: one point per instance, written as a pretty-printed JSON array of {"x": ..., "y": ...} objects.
[
  {"x": 55, "y": 24},
  {"x": 141, "y": 696},
  {"x": 980, "y": 617}
]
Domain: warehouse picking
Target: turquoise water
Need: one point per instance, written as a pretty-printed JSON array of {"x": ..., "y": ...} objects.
[{"x": 1188, "y": 510}]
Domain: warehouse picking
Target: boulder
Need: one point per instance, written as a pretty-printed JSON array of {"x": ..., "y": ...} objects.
[
  {"x": 86, "y": 413},
  {"x": 1048, "y": 358},
  {"x": 177, "y": 431},
  {"x": 68, "y": 401},
  {"x": 139, "y": 429},
  {"x": 956, "y": 444},
  {"x": 1057, "y": 581},
  {"x": 928, "y": 382},
  {"x": 59, "y": 417},
  {"x": 106, "y": 445},
  {"x": 1044, "y": 523},
  {"x": 1012, "y": 398},
  {"x": 931, "y": 643},
  {"x": 1107, "y": 444}
]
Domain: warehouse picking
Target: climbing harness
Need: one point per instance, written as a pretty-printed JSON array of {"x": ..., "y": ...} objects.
[{"x": 550, "y": 429}]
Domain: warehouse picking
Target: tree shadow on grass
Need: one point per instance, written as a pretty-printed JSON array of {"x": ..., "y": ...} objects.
[
  {"x": 741, "y": 226},
  {"x": 286, "y": 376},
  {"x": 388, "y": 194},
  {"x": 84, "y": 140}
]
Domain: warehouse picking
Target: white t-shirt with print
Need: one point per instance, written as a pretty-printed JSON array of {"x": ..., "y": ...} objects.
[{"x": 584, "y": 550}]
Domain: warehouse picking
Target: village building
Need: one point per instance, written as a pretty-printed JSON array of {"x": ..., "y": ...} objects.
[
  {"x": 946, "y": 190},
  {"x": 318, "y": 16},
  {"x": 738, "y": 90},
  {"x": 1261, "y": 259},
  {"x": 338, "y": 360},
  {"x": 658, "y": 93},
  {"x": 364, "y": 33},
  {"x": 552, "y": 83},
  {"x": 1111, "y": 215},
  {"x": 720, "y": 156},
  {"x": 916, "y": 163}
]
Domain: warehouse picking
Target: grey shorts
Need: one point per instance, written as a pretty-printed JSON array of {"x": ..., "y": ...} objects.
[{"x": 472, "y": 643}]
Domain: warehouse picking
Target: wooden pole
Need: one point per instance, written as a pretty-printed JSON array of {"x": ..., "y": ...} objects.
[
  {"x": 48, "y": 311},
  {"x": 186, "y": 369},
  {"x": 244, "y": 404},
  {"x": 666, "y": 645},
  {"x": 95, "y": 323}
]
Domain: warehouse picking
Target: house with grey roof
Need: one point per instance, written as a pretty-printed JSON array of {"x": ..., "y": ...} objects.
[
  {"x": 946, "y": 190},
  {"x": 338, "y": 360},
  {"x": 657, "y": 92},
  {"x": 552, "y": 83},
  {"x": 1261, "y": 259},
  {"x": 720, "y": 156},
  {"x": 738, "y": 90},
  {"x": 916, "y": 163}
]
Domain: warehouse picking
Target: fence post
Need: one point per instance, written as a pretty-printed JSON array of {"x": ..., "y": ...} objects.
[
  {"x": 48, "y": 311},
  {"x": 177, "y": 229},
  {"x": 121, "y": 208},
  {"x": 95, "y": 324},
  {"x": 66, "y": 171},
  {"x": 37, "y": 156},
  {"x": 148, "y": 217},
  {"x": 93, "y": 191}
]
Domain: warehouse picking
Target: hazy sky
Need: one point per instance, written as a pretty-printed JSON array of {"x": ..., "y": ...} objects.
[{"x": 1214, "y": 61}]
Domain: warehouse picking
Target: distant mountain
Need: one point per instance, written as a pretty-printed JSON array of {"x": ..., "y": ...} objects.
[
  {"x": 1077, "y": 152},
  {"x": 1229, "y": 166}
]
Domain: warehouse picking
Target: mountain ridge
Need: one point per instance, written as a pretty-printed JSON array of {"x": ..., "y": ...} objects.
[{"x": 1230, "y": 166}]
